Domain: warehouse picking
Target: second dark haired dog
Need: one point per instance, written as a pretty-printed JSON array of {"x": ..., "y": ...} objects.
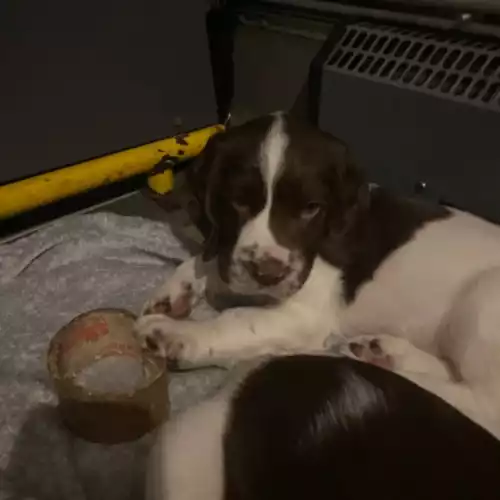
[{"x": 312, "y": 427}]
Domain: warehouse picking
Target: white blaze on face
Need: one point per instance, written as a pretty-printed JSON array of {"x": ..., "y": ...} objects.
[{"x": 256, "y": 233}]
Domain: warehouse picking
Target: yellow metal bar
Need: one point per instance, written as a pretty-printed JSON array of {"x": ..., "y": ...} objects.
[
  {"x": 43, "y": 189},
  {"x": 161, "y": 183}
]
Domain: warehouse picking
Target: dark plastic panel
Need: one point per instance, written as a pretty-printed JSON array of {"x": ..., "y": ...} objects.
[
  {"x": 418, "y": 124},
  {"x": 81, "y": 79}
]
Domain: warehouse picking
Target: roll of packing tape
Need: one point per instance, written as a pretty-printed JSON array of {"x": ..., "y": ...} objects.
[{"x": 109, "y": 389}]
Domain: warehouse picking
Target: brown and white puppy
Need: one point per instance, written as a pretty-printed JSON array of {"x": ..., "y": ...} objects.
[
  {"x": 292, "y": 218},
  {"x": 316, "y": 427}
]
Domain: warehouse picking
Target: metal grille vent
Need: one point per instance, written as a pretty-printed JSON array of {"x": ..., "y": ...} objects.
[{"x": 462, "y": 70}]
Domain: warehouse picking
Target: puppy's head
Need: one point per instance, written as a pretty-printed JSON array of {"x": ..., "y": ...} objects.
[{"x": 275, "y": 193}]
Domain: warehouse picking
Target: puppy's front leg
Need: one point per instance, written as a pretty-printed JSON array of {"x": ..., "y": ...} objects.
[
  {"x": 235, "y": 335},
  {"x": 181, "y": 292}
]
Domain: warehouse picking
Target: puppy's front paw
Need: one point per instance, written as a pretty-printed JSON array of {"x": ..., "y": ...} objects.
[
  {"x": 164, "y": 337},
  {"x": 176, "y": 301}
]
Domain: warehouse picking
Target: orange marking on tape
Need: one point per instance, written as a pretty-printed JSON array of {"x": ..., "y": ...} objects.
[
  {"x": 95, "y": 331},
  {"x": 91, "y": 332}
]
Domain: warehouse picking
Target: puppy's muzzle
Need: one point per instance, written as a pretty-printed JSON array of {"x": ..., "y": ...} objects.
[{"x": 267, "y": 271}]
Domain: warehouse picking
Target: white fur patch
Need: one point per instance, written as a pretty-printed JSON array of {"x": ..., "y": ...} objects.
[
  {"x": 187, "y": 460},
  {"x": 256, "y": 240},
  {"x": 256, "y": 233}
]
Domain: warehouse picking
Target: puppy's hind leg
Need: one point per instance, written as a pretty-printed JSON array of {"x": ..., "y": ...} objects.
[
  {"x": 470, "y": 337},
  {"x": 470, "y": 340},
  {"x": 394, "y": 354},
  {"x": 186, "y": 462}
]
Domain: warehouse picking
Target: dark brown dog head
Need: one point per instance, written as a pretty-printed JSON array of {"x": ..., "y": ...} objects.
[{"x": 275, "y": 193}]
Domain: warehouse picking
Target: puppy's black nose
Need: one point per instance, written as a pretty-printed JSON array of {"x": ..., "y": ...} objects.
[{"x": 267, "y": 271}]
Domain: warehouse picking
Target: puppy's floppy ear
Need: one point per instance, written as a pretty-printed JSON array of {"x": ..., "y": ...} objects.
[
  {"x": 353, "y": 189},
  {"x": 349, "y": 198},
  {"x": 202, "y": 176}
]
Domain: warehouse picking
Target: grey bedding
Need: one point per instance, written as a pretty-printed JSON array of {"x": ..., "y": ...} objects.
[{"x": 47, "y": 278}]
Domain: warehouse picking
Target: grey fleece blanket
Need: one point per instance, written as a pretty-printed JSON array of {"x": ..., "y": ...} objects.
[{"x": 47, "y": 278}]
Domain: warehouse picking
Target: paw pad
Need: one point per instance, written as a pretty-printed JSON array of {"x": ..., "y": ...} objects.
[
  {"x": 160, "y": 307},
  {"x": 178, "y": 308},
  {"x": 371, "y": 351}
]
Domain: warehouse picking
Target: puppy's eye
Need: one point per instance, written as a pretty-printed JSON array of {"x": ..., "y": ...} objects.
[
  {"x": 310, "y": 211},
  {"x": 240, "y": 206}
]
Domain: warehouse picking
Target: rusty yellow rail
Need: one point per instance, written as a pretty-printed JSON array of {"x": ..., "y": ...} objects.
[{"x": 43, "y": 189}]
